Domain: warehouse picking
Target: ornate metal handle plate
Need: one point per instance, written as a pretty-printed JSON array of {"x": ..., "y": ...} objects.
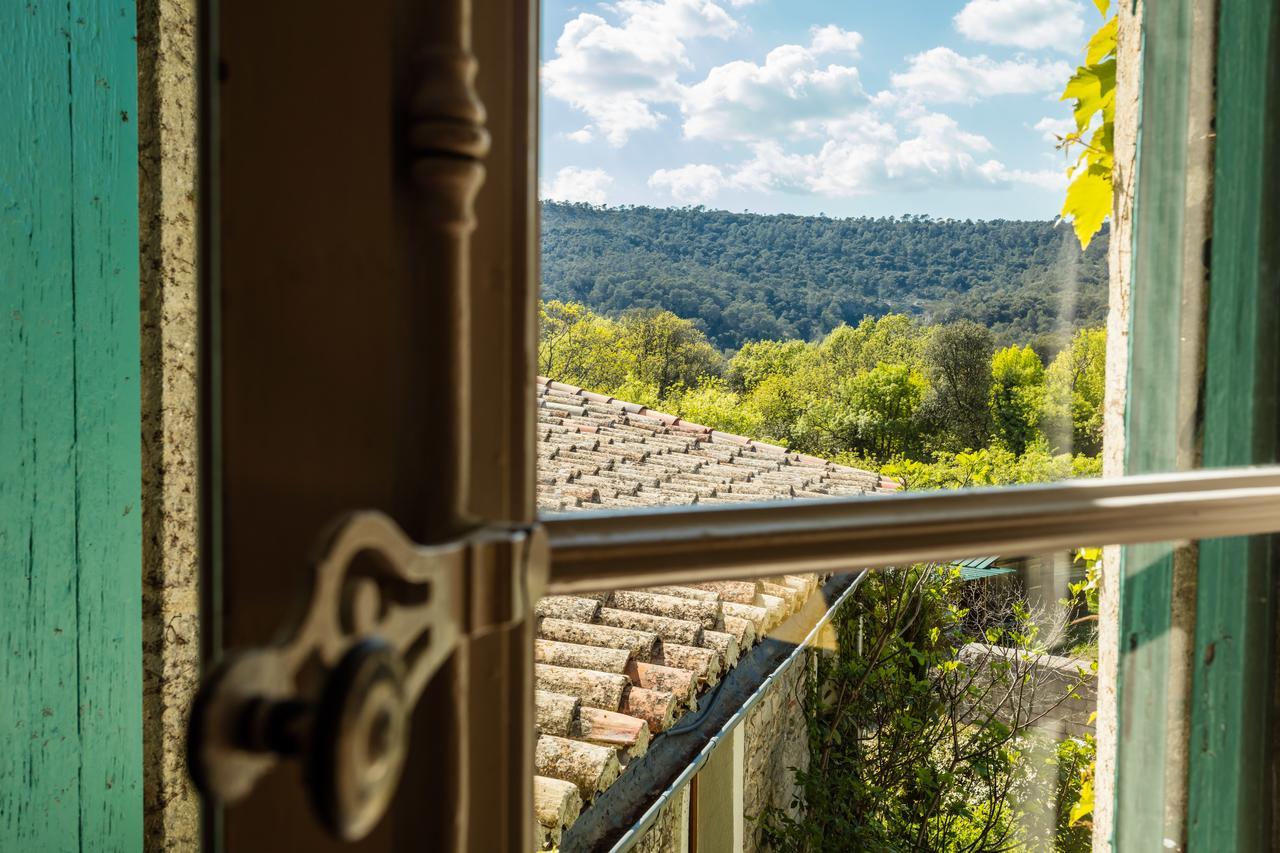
[{"x": 384, "y": 615}]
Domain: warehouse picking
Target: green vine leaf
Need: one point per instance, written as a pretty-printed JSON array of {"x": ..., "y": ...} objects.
[
  {"x": 1083, "y": 807},
  {"x": 1103, "y": 43},
  {"x": 1093, "y": 89},
  {"x": 1087, "y": 204}
]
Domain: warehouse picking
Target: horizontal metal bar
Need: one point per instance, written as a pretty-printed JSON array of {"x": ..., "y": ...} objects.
[{"x": 606, "y": 550}]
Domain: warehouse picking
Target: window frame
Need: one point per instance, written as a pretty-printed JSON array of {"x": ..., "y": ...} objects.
[
  {"x": 1233, "y": 739},
  {"x": 485, "y": 432},
  {"x": 1191, "y": 367}
]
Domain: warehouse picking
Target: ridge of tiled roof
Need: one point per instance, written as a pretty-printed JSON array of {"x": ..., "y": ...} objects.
[{"x": 615, "y": 669}]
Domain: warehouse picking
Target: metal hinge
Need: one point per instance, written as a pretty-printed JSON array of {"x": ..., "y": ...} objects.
[{"x": 385, "y": 614}]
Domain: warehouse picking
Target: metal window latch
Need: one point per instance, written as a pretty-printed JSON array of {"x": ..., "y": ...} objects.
[{"x": 385, "y": 614}]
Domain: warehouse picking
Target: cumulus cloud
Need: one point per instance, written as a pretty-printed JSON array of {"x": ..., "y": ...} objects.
[
  {"x": 832, "y": 39},
  {"x": 790, "y": 92},
  {"x": 617, "y": 73},
  {"x": 939, "y": 149},
  {"x": 942, "y": 75},
  {"x": 928, "y": 151},
  {"x": 773, "y": 168},
  {"x": 801, "y": 113},
  {"x": 692, "y": 184},
  {"x": 1053, "y": 128},
  {"x": 624, "y": 73},
  {"x": 576, "y": 184},
  {"x": 1029, "y": 24},
  {"x": 1054, "y": 180}
]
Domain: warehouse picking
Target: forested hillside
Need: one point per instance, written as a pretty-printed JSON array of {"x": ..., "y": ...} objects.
[{"x": 744, "y": 277}]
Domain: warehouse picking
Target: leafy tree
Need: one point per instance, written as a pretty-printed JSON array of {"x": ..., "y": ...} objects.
[
  {"x": 758, "y": 360},
  {"x": 665, "y": 350},
  {"x": 777, "y": 404},
  {"x": 917, "y": 720},
  {"x": 923, "y": 404},
  {"x": 891, "y": 339},
  {"x": 958, "y": 359},
  {"x": 713, "y": 403},
  {"x": 1017, "y": 396},
  {"x": 580, "y": 347},
  {"x": 873, "y": 414},
  {"x": 1075, "y": 388}
]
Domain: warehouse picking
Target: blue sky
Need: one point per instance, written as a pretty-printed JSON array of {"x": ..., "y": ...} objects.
[{"x": 842, "y": 107}]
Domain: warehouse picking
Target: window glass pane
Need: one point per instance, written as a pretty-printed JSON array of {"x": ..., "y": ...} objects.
[
  {"x": 802, "y": 251},
  {"x": 825, "y": 229},
  {"x": 941, "y": 706}
]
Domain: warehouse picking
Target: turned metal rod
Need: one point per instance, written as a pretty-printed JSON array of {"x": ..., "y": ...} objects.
[{"x": 607, "y": 550}]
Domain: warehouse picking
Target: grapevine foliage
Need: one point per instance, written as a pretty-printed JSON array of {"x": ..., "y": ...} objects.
[{"x": 1093, "y": 89}]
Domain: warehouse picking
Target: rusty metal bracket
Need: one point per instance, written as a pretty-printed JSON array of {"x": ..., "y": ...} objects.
[{"x": 384, "y": 615}]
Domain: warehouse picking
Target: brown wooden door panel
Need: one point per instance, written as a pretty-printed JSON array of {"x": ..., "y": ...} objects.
[{"x": 340, "y": 199}]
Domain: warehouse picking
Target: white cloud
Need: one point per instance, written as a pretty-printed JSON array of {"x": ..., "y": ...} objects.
[
  {"x": 1029, "y": 24},
  {"x": 832, "y": 39},
  {"x": 618, "y": 72},
  {"x": 576, "y": 184},
  {"x": 869, "y": 154},
  {"x": 692, "y": 184},
  {"x": 942, "y": 75},
  {"x": 801, "y": 114},
  {"x": 790, "y": 92},
  {"x": 772, "y": 168},
  {"x": 1052, "y": 179},
  {"x": 1052, "y": 128},
  {"x": 623, "y": 74},
  {"x": 940, "y": 150}
]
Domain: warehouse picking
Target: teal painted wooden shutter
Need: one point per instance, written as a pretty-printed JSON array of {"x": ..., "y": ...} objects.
[
  {"x": 70, "y": 540},
  {"x": 1233, "y": 728},
  {"x": 1227, "y": 733}
]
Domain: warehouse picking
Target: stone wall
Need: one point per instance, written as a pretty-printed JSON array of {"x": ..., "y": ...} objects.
[
  {"x": 670, "y": 831},
  {"x": 1120, "y": 247},
  {"x": 776, "y": 744},
  {"x": 1058, "y": 693},
  {"x": 167, "y": 167}
]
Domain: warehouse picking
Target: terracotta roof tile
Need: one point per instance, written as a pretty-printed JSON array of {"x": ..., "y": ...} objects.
[{"x": 615, "y": 669}]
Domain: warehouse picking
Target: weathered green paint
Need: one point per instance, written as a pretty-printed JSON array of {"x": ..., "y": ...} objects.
[
  {"x": 1230, "y": 781},
  {"x": 1152, "y": 410},
  {"x": 70, "y": 599}
]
